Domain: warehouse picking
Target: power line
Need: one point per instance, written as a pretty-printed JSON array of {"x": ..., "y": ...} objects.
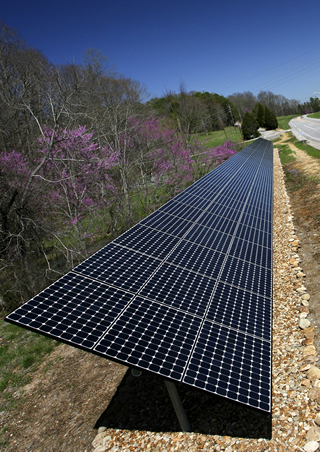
[
  {"x": 287, "y": 77},
  {"x": 270, "y": 69}
]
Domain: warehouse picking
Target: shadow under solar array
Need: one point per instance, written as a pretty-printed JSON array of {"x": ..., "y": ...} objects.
[{"x": 187, "y": 292}]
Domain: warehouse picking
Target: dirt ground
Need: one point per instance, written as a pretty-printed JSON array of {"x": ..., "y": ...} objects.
[
  {"x": 58, "y": 411},
  {"x": 304, "y": 194}
]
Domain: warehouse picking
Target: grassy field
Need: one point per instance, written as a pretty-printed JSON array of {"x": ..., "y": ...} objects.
[
  {"x": 213, "y": 139},
  {"x": 315, "y": 153},
  {"x": 315, "y": 115},
  {"x": 283, "y": 121}
]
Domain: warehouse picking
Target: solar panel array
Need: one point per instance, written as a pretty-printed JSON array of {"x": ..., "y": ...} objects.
[{"x": 187, "y": 292}]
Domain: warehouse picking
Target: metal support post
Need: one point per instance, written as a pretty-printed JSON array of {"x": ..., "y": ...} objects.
[{"x": 177, "y": 405}]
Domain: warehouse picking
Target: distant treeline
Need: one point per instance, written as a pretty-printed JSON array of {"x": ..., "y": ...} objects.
[
  {"x": 278, "y": 104},
  {"x": 195, "y": 112}
]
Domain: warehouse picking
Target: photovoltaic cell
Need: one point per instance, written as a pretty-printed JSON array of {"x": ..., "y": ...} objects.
[
  {"x": 187, "y": 292},
  {"x": 250, "y": 252},
  {"x": 120, "y": 267},
  {"x": 251, "y": 314},
  {"x": 153, "y": 337},
  {"x": 74, "y": 309},
  {"x": 148, "y": 241},
  {"x": 179, "y": 288},
  {"x": 162, "y": 221},
  {"x": 234, "y": 365},
  {"x": 197, "y": 258},
  {"x": 249, "y": 276},
  {"x": 215, "y": 240}
]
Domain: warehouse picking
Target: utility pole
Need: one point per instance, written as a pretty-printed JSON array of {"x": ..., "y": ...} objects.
[
  {"x": 230, "y": 111},
  {"x": 222, "y": 125}
]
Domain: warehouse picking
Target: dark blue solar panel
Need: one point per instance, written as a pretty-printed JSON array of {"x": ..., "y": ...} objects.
[
  {"x": 120, "y": 267},
  {"x": 251, "y": 252},
  {"x": 197, "y": 258},
  {"x": 167, "y": 223},
  {"x": 179, "y": 288},
  {"x": 74, "y": 309},
  {"x": 249, "y": 276},
  {"x": 233, "y": 365},
  {"x": 225, "y": 211},
  {"x": 182, "y": 210},
  {"x": 216, "y": 222},
  {"x": 250, "y": 234},
  {"x": 210, "y": 238},
  {"x": 251, "y": 314},
  {"x": 187, "y": 292},
  {"x": 153, "y": 337},
  {"x": 146, "y": 240}
]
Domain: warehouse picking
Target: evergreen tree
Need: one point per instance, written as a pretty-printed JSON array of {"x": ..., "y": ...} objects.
[
  {"x": 271, "y": 122},
  {"x": 250, "y": 126},
  {"x": 259, "y": 112}
]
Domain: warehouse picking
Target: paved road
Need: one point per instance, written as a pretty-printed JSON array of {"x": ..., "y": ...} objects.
[{"x": 305, "y": 128}]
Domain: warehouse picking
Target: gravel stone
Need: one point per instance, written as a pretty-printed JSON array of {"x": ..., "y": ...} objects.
[
  {"x": 313, "y": 434},
  {"x": 314, "y": 394},
  {"x": 310, "y": 350},
  {"x": 313, "y": 373},
  {"x": 304, "y": 323},
  {"x": 311, "y": 446}
]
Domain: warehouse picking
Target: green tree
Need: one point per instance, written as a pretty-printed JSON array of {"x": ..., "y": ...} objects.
[
  {"x": 271, "y": 121},
  {"x": 259, "y": 112},
  {"x": 195, "y": 112},
  {"x": 250, "y": 126}
]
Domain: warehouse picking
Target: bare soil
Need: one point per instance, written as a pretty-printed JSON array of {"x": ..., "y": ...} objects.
[
  {"x": 59, "y": 410},
  {"x": 304, "y": 193}
]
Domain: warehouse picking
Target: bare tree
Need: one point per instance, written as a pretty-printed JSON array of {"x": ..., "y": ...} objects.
[{"x": 243, "y": 102}]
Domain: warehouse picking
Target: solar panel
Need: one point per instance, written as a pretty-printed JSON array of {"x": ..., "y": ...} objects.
[{"x": 186, "y": 293}]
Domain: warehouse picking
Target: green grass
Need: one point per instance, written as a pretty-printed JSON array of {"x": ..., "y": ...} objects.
[
  {"x": 283, "y": 121},
  {"x": 213, "y": 139},
  {"x": 315, "y": 115},
  {"x": 295, "y": 179},
  {"x": 21, "y": 352},
  {"x": 286, "y": 154},
  {"x": 315, "y": 153}
]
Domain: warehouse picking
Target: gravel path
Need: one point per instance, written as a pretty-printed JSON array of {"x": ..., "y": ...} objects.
[{"x": 296, "y": 379}]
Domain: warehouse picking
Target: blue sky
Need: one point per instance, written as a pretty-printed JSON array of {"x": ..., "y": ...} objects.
[{"x": 216, "y": 46}]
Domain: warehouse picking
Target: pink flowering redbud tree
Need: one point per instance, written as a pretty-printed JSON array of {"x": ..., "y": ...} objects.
[
  {"x": 53, "y": 207},
  {"x": 157, "y": 163},
  {"x": 80, "y": 187}
]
